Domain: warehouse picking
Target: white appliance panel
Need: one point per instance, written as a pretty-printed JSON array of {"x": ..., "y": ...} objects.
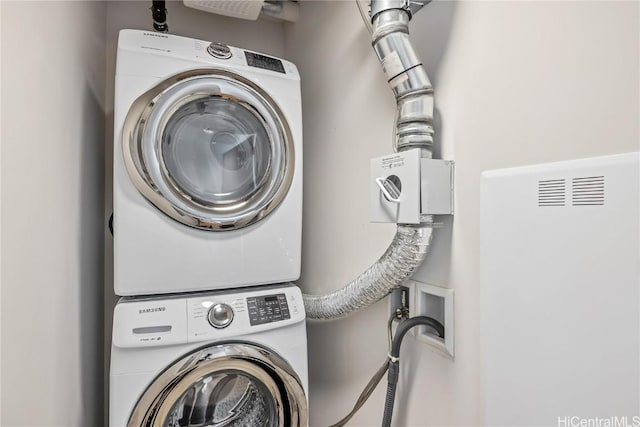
[
  {"x": 153, "y": 253},
  {"x": 136, "y": 362},
  {"x": 560, "y": 312}
]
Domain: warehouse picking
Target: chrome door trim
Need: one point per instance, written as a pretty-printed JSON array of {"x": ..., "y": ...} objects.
[
  {"x": 277, "y": 375},
  {"x": 142, "y": 150}
]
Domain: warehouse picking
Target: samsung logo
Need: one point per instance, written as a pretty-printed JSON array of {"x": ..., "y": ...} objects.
[
  {"x": 156, "y": 35},
  {"x": 151, "y": 310}
]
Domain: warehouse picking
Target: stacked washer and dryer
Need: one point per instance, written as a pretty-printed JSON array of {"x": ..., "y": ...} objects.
[{"x": 207, "y": 233}]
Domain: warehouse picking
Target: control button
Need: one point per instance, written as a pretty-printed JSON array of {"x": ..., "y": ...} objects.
[
  {"x": 220, "y": 315},
  {"x": 219, "y": 50}
]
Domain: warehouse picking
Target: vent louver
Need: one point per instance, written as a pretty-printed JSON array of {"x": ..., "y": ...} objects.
[
  {"x": 551, "y": 192},
  {"x": 587, "y": 191}
]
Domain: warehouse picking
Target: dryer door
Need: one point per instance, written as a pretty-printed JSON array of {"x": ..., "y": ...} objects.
[
  {"x": 209, "y": 148},
  {"x": 227, "y": 385}
]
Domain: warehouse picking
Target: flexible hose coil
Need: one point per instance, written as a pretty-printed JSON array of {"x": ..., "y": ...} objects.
[{"x": 406, "y": 252}]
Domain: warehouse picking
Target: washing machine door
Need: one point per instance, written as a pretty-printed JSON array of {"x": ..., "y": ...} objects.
[
  {"x": 231, "y": 385},
  {"x": 210, "y": 149}
]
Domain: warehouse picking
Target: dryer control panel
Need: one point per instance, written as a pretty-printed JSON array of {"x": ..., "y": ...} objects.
[{"x": 157, "y": 47}]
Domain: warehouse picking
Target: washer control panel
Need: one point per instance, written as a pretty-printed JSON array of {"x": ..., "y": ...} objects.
[
  {"x": 206, "y": 316},
  {"x": 267, "y": 309},
  {"x": 220, "y": 315}
]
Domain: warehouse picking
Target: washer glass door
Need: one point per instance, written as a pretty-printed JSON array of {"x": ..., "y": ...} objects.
[
  {"x": 209, "y": 148},
  {"x": 226, "y": 398},
  {"x": 232, "y": 384}
]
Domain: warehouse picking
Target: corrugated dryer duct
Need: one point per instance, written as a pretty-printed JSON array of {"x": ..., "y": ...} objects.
[{"x": 414, "y": 116}]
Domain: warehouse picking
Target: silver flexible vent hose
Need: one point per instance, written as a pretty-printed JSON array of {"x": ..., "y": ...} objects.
[{"x": 414, "y": 96}]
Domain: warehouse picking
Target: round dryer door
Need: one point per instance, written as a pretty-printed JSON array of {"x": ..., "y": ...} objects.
[
  {"x": 209, "y": 148},
  {"x": 231, "y": 385}
]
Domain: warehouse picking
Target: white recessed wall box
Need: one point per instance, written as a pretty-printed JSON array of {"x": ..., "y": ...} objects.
[{"x": 435, "y": 302}]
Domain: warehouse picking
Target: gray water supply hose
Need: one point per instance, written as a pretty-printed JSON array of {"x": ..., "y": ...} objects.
[
  {"x": 414, "y": 116},
  {"x": 394, "y": 363}
]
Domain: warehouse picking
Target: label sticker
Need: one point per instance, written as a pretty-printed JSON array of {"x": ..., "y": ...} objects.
[
  {"x": 392, "y": 65},
  {"x": 395, "y": 161}
]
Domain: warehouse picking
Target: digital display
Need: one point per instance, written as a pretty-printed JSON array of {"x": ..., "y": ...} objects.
[
  {"x": 264, "y": 62},
  {"x": 267, "y": 309}
]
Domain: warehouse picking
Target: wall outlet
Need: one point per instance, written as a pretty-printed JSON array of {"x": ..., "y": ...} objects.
[{"x": 435, "y": 302}]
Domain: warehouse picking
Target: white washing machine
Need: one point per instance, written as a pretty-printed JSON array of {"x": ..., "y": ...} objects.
[
  {"x": 207, "y": 166},
  {"x": 228, "y": 358}
]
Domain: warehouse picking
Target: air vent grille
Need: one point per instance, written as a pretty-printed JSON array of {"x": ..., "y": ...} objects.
[
  {"x": 587, "y": 191},
  {"x": 551, "y": 192}
]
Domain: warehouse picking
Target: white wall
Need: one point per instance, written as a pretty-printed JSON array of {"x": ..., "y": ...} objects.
[
  {"x": 262, "y": 36},
  {"x": 52, "y": 170},
  {"x": 516, "y": 83}
]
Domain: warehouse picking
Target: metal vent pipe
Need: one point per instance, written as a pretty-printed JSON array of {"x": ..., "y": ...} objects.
[{"x": 413, "y": 129}]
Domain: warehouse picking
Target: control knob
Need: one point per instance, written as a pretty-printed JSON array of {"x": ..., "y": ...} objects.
[
  {"x": 220, "y": 315},
  {"x": 219, "y": 50}
]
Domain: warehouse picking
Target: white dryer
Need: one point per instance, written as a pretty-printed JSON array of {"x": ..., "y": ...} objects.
[
  {"x": 207, "y": 166},
  {"x": 229, "y": 358}
]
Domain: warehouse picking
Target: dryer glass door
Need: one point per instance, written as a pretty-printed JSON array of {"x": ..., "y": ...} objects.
[
  {"x": 216, "y": 150},
  {"x": 226, "y": 385},
  {"x": 209, "y": 148}
]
